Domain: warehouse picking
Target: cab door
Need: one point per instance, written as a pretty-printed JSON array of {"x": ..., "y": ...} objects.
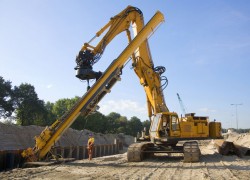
[
  {"x": 174, "y": 126},
  {"x": 155, "y": 124}
]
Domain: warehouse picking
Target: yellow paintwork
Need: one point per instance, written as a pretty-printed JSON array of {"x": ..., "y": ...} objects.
[
  {"x": 194, "y": 129},
  {"x": 142, "y": 61},
  {"x": 149, "y": 78},
  {"x": 215, "y": 129},
  {"x": 189, "y": 127},
  {"x": 117, "y": 24}
]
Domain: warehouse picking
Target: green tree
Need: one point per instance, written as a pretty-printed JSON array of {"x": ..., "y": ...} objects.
[
  {"x": 96, "y": 122},
  {"x": 146, "y": 124},
  {"x": 122, "y": 125},
  {"x": 62, "y": 106},
  {"x": 112, "y": 119},
  {"x": 6, "y": 98},
  {"x": 51, "y": 118},
  {"x": 134, "y": 126},
  {"x": 29, "y": 109}
]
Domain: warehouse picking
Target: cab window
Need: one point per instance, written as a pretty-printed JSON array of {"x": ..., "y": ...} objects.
[{"x": 175, "y": 123}]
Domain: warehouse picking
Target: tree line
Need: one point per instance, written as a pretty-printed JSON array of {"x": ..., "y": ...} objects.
[
  {"x": 22, "y": 105},
  {"x": 236, "y": 130}
]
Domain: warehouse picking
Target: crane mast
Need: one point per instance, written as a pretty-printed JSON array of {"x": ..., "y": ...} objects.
[{"x": 181, "y": 104}]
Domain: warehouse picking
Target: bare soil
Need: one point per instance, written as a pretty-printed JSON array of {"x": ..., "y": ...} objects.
[
  {"x": 211, "y": 166},
  {"x": 14, "y": 137}
]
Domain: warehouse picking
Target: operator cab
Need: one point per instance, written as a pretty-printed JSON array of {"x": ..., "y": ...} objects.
[{"x": 165, "y": 125}]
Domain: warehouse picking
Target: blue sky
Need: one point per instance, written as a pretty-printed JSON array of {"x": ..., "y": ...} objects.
[{"x": 204, "y": 45}]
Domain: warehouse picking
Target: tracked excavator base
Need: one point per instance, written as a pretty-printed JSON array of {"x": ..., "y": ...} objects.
[
  {"x": 136, "y": 151},
  {"x": 139, "y": 151}
]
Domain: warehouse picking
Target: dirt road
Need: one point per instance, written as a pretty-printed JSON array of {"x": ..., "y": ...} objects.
[{"x": 211, "y": 166}]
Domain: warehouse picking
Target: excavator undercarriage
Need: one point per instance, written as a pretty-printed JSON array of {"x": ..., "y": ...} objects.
[{"x": 139, "y": 151}]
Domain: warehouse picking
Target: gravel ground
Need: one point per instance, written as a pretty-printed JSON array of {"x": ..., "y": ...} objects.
[{"x": 211, "y": 166}]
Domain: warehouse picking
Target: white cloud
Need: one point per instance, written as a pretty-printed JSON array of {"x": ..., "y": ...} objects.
[
  {"x": 49, "y": 86},
  {"x": 126, "y": 108}
]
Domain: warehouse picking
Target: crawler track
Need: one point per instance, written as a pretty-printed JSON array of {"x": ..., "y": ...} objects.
[{"x": 135, "y": 151}]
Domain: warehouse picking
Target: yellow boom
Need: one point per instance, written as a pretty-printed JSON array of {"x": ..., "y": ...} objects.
[{"x": 121, "y": 22}]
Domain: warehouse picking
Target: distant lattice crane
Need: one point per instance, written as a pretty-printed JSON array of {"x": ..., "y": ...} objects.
[{"x": 181, "y": 104}]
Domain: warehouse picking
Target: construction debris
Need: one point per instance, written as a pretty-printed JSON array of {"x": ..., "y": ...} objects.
[
  {"x": 235, "y": 144},
  {"x": 226, "y": 148}
]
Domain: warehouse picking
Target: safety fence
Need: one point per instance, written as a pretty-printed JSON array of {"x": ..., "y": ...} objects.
[{"x": 10, "y": 159}]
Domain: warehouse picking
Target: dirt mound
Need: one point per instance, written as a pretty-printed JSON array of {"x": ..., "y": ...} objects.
[
  {"x": 240, "y": 139},
  {"x": 13, "y": 137}
]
